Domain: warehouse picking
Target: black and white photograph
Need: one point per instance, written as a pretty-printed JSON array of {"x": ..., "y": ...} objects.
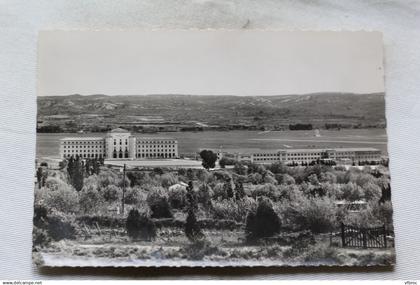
[{"x": 211, "y": 148}]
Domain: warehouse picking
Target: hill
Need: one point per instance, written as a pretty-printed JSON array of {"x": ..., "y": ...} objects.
[{"x": 347, "y": 110}]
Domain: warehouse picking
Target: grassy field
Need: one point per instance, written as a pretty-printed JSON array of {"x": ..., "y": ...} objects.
[
  {"x": 171, "y": 247},
  {"x": 191, "y": 142}
]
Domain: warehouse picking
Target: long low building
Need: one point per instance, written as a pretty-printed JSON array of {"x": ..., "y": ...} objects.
[
  {"x": 119, "y": 144},
  {"x": 344, "y": 155}
]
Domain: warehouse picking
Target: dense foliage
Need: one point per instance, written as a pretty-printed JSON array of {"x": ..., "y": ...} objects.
[{"x": 263, "y": 201}]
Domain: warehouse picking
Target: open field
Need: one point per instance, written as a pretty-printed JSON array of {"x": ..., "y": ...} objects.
[
  {"x": 191, "y": 142},
  {"x": 173, "y": 250}
]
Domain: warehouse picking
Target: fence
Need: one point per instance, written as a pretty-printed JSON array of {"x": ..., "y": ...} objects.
[{"x": 363, "y": 237}]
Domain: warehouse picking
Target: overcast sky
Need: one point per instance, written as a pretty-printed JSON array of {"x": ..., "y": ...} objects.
[{"x": 209, "y": 62}]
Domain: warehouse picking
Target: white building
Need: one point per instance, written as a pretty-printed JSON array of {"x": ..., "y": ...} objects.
[
  {"x": 119, "y": 144},
  {"x": 343, "y": 155}
]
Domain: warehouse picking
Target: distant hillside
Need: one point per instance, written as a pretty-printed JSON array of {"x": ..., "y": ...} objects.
[{"x": 318, "y": 109}]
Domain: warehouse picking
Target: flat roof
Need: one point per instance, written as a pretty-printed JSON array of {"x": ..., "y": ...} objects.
[
  {"x": 155, "y": 138},
  {"x": 82, "y": 139},
  {"x": 294, "y": 150}
]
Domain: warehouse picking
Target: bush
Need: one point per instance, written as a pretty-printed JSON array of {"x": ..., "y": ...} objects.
[
  {"x": 204, "y": 195},
  {"x": 168, "y": 179},
  {"x": 192, "y": 228},
  {"x": 40, "y": 237},
  {"x": 140, "y": 226},
  {"x": 61, "y": 226},
  {"x": 199, "y": 249},
  {"x": 264, "y": 222},
  {"x": 91, "y": 201},
  {"x": 158, "y": 203},
  {"x": 64, "y": 198},
  {"x": 177, "y": 196},
  {"x": 234, "y": 210},
  {"x": 351, "y": 192},
  {"x": 112, "y": 193},
  {"x": 372, "y": 192},
  {"x": 219, "y": 192},
  {"x": 40, "y": 215},
  {"x": 102, "y": 221},
  {"x": 320, "y": 215},
  {"x": 267, "y": 190},
  {"x": 135, "y": 195},
  {"x": 317, "y": 214},
  {"x": 285, "y": 179},
  {"x": 322, "y": 254}
]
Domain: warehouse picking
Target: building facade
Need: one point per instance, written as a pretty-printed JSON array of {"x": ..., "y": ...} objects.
[
  {"x": 287, "y": 156},
  {"x": 119, "y": 144}
]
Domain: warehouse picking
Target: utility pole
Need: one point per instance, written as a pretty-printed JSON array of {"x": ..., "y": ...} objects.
[{"x": 123, "y": 193}]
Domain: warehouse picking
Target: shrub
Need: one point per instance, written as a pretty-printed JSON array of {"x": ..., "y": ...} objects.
[
  {"x": 40, "y": 237},
  {"x": 91, "y": 201},
  {"x": 158, "y": 203},
  {"x": 168, "y": 179},
  {"x": 199, "y": 249},
  {"x": 322, "y": 253},
  {"x": 61, "y": 226},
  {"x": 285, "y": 179},
  {"x": 219, "y": 191},
  {"x": 351, "y": 192},
  {"x": 233, "y": 210},
  {"x": 264, "y": 222},
  {"x": 177, "y": 196},
  {"x": 102, "y": 221},
  {"x": 267, "y": 190},
  {"x": 192, "y": 228},
  {"x": 64, "y": 198},
  {"x": 239, "y": 168},
  {"x": 365, "y": 218},
  {"x": 204, "y": 195},
  {"x": 40, "y": 215},
  {"x": 111, "y": 193},
  {"x": 383, "y": 212},
  {"x": 320, "y": 215},
  {"x": 54, "y": 183},
  {"x": 329, "y": 177},
  {"x": 372, "y": 192},
  {"x": 107, "y": 177},
  {"x": 315, "y": 213},
  {"x": 140, "y": 226},
  {"x": 135, "y": 195}
]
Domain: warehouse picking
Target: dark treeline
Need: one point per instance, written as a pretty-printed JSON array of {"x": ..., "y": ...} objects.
[{"x": 295, "y": 127}]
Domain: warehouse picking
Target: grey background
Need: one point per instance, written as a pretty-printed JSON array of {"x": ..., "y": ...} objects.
[{"x": 21, "y": 20}]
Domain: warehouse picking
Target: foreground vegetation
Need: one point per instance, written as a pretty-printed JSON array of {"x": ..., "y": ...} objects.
[{"x": 250, "y": 212}]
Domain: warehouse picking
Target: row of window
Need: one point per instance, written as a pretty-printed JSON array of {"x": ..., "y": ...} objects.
[
  {"x": 85, "y": 155},
  {"x": 156, "y": 146},
  {"x": 84, "y": 146},
  {"x": 161, "y": 150},
  {"x": 83, "y": 142},
  {"x": 155, "y": 142},
  {"x": 81, "y": 151},
  {"x": 156, "y": 155}
]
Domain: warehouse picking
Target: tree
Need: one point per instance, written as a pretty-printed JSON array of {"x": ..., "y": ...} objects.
[
  {"x": 75, "y": 169},
  {"x": 192, "y": 228},
  {"x": 39, "y": 177},
  {"x": 158, "y": 203},
  {"x": 239, "y": 191},
  {"x": 262, "y": 223},
  {"x": 228, "y": 189},
  {"x": 209, "y": 159},
  {"x": 239, "y": 168},
  {"x": 140, "y": 226}
]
